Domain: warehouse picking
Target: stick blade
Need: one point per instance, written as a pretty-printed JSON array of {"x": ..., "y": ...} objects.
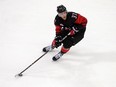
[{"x": 19, "y": 75}]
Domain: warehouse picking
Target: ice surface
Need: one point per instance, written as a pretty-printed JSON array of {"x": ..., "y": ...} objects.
[{"x": 26, "y": 26}]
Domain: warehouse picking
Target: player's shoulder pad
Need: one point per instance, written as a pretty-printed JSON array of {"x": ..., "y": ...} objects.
[
  {"x": 73, "y": 16},
  {"x": 70, "y": 12}
]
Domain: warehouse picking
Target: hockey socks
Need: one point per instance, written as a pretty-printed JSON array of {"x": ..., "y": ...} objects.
[{"x": 64, "y": 50}]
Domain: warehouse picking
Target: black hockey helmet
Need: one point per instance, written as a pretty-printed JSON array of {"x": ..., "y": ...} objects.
[{"x": 61, "y": 8}]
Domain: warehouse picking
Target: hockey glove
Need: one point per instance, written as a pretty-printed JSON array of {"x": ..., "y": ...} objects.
[{"x": 58, "y": 40}]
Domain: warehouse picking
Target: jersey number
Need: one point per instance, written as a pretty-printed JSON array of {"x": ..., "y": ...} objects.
[{"x": 74, "y": 15}]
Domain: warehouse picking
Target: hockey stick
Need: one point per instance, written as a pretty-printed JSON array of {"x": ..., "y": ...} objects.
[
  {"x": 21, "y": 73},
  {"x": 65, "y": 37}
]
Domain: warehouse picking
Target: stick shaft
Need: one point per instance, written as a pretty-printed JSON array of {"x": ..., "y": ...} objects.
[{"x": 33, "y": 63}]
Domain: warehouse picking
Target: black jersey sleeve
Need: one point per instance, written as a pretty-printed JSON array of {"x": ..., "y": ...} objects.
[{"x": 56, "y": 21}]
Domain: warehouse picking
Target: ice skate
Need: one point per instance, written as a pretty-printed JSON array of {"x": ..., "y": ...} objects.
[
  {"x": 57, "y": 56},
  {"x": 48, "y": 48}
]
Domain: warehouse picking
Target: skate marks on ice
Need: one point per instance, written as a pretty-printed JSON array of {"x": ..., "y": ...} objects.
[
  {"x": 97, "y": 68},
  {"x": 87, "y": 68},
  {"x": 91, "y": 57},
  {"x": 75, "y": 62},
  {"x": 82, "y": 69}
]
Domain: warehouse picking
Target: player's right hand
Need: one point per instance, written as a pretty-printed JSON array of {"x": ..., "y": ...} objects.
[{"x": 58, "y": 40}]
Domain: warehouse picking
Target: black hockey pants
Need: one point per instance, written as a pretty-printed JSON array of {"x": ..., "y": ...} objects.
[{"x": 72, "y": 40}]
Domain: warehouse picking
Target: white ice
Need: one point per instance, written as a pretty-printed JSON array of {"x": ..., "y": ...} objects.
[{"x": 26, "y": 26}]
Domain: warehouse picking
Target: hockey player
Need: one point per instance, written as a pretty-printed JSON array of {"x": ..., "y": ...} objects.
[{"x": 70, "y": 25}]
